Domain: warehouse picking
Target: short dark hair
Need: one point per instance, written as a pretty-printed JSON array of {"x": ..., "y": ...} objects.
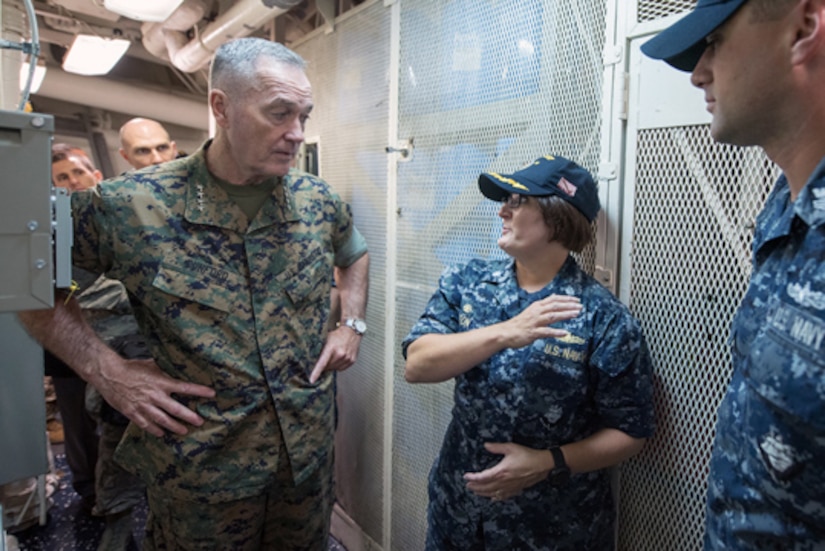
[
  {"x": 770, "y": 10},
  {"x": 62, "y": 151},
  {"x": 567, "y": 224}
]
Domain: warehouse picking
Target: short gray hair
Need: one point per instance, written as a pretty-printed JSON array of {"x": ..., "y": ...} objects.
[{"x": 234, "y": 64}]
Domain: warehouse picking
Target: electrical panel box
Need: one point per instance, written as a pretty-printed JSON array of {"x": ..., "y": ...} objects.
[
  {"x": 23, "y": 441},
  {"x": 26, "y": 212}
]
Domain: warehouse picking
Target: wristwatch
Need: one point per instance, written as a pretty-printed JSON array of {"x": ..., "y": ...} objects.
[
  {"x": 560, "y": 474},
  {"x": 357, "y": 325}
]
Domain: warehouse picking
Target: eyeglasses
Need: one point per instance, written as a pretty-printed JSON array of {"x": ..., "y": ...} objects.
[{"x": 514, "y": 200}]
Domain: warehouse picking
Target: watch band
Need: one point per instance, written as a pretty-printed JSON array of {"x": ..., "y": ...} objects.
[
  {"x": 558, "y": 459},
  {"x": 560, "y": 473}
]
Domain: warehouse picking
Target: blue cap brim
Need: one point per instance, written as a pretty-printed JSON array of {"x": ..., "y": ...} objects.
[
  {"x": 683, "y": 43},
  {"x": 498, "y": 187}
]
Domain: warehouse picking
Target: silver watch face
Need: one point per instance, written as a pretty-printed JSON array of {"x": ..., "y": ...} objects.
[{"x": 360, "y": 326}]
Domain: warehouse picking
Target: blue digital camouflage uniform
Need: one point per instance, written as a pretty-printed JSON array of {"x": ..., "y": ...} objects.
[
  {"x": 767, "y": 476},
  {"x": 239, "y": 306},
  {"x": 550, "y": 393}
]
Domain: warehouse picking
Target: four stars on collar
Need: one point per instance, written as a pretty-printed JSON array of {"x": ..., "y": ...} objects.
[{"x": 200, "y": 197}]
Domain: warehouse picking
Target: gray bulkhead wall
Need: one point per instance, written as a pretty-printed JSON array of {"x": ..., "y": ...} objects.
[
  {"x": 491, "y": 85},
  {"x": 349, "y": 72}
]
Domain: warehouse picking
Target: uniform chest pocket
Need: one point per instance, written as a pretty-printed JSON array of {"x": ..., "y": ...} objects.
[
  {"x": 787, "y": 364},
  {"x": 556, "y": 387},
  {"x": 202, "y": 284},
  {"x": 309, "y": 282}
]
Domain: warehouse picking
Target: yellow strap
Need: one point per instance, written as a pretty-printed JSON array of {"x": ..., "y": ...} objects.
[{"x": 72, "y": 288}]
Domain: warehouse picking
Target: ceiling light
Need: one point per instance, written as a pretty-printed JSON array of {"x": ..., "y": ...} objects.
[
  {"x": 93, "y": 55},
  {"x": 143, "y": 10},
  {"x": 37, "y": 79}
]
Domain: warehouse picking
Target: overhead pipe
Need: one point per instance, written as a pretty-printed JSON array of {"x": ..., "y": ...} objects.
[
  {"x": 124, "y": 98},
  {"x": 242, "y": 19},
  {"x": 165, "y": 37}
]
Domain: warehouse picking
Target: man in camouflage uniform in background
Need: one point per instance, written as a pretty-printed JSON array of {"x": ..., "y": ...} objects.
[
  {"x": 72, "y": 170},
  {"x": 106, "y": 308},
  {"x": 117, "y": 491},
  {"x": 227, "y": 257},
  {"x": 761, "y": 66},
  {"x": 145, "y": 142}
]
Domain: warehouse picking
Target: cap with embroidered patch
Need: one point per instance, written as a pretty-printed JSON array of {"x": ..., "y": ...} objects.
[
  {"x": 683, "y": 43},
  {"x": 548, "y": 175}
]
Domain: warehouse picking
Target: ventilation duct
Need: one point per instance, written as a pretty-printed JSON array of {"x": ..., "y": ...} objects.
[
  {"x": 168, "y": 40},
  {"x": 123, "y": 98},
  {"x": 161, "y": 39}
]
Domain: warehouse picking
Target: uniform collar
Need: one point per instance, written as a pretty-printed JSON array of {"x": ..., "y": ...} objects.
[
  {"x": 810, "y": 204},
  {"x": 505, "y": 273},
  {"x": 208, "y": 204}
]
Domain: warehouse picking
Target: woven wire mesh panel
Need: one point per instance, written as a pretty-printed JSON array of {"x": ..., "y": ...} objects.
[
  {"x": 485, "y": 85},
  {"x": 650, "y": 10},
  {"x": 694, "y": 212},
  {"x": 348, "y": 70}
]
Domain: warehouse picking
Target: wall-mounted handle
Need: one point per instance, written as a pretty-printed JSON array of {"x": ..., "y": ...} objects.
[{"x": 404, "y": 148}]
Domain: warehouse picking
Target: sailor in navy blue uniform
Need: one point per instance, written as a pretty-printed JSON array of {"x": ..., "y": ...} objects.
[{"x": 552, "y": 377}]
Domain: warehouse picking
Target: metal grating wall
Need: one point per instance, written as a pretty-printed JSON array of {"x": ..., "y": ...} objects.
[
  {"x": 490, "y": 85},
  {"x": 484, "y": 85},
  {"x": 348, "y": 69},
  {"x": 694, "y": 211},
  {"x": 650, "y": 10}
]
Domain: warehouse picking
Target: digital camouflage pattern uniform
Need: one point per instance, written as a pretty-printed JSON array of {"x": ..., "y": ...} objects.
[
  {"x": 549, "y": 393},
  {"x": 767, "y": 482},
  {"x": 106, "y": 307},
  {"x": 239, "y": 306}
]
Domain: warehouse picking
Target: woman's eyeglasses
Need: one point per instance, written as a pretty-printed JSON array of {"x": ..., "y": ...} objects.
[{"x": 514, "y": 200}]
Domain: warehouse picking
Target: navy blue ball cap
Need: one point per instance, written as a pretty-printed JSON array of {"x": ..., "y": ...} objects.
[
  {"x": 548, "y": 175},
  {"x": 683, "y": 43}
]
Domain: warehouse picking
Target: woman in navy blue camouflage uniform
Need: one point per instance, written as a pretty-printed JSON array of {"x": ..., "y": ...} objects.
[{"x": 552, "y": 377}]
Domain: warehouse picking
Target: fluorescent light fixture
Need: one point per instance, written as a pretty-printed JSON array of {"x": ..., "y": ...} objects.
[
  {"x": 143, "y": 10},
  {"x": 37, "y": 79},
  {"x": 93, "y": 55}
]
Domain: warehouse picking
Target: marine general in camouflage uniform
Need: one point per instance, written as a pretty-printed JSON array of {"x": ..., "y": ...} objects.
[
  {"x": 761, "y": 65},
  {"x": 228, "y": 256},
  {"x": 552, "y": 378}
]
